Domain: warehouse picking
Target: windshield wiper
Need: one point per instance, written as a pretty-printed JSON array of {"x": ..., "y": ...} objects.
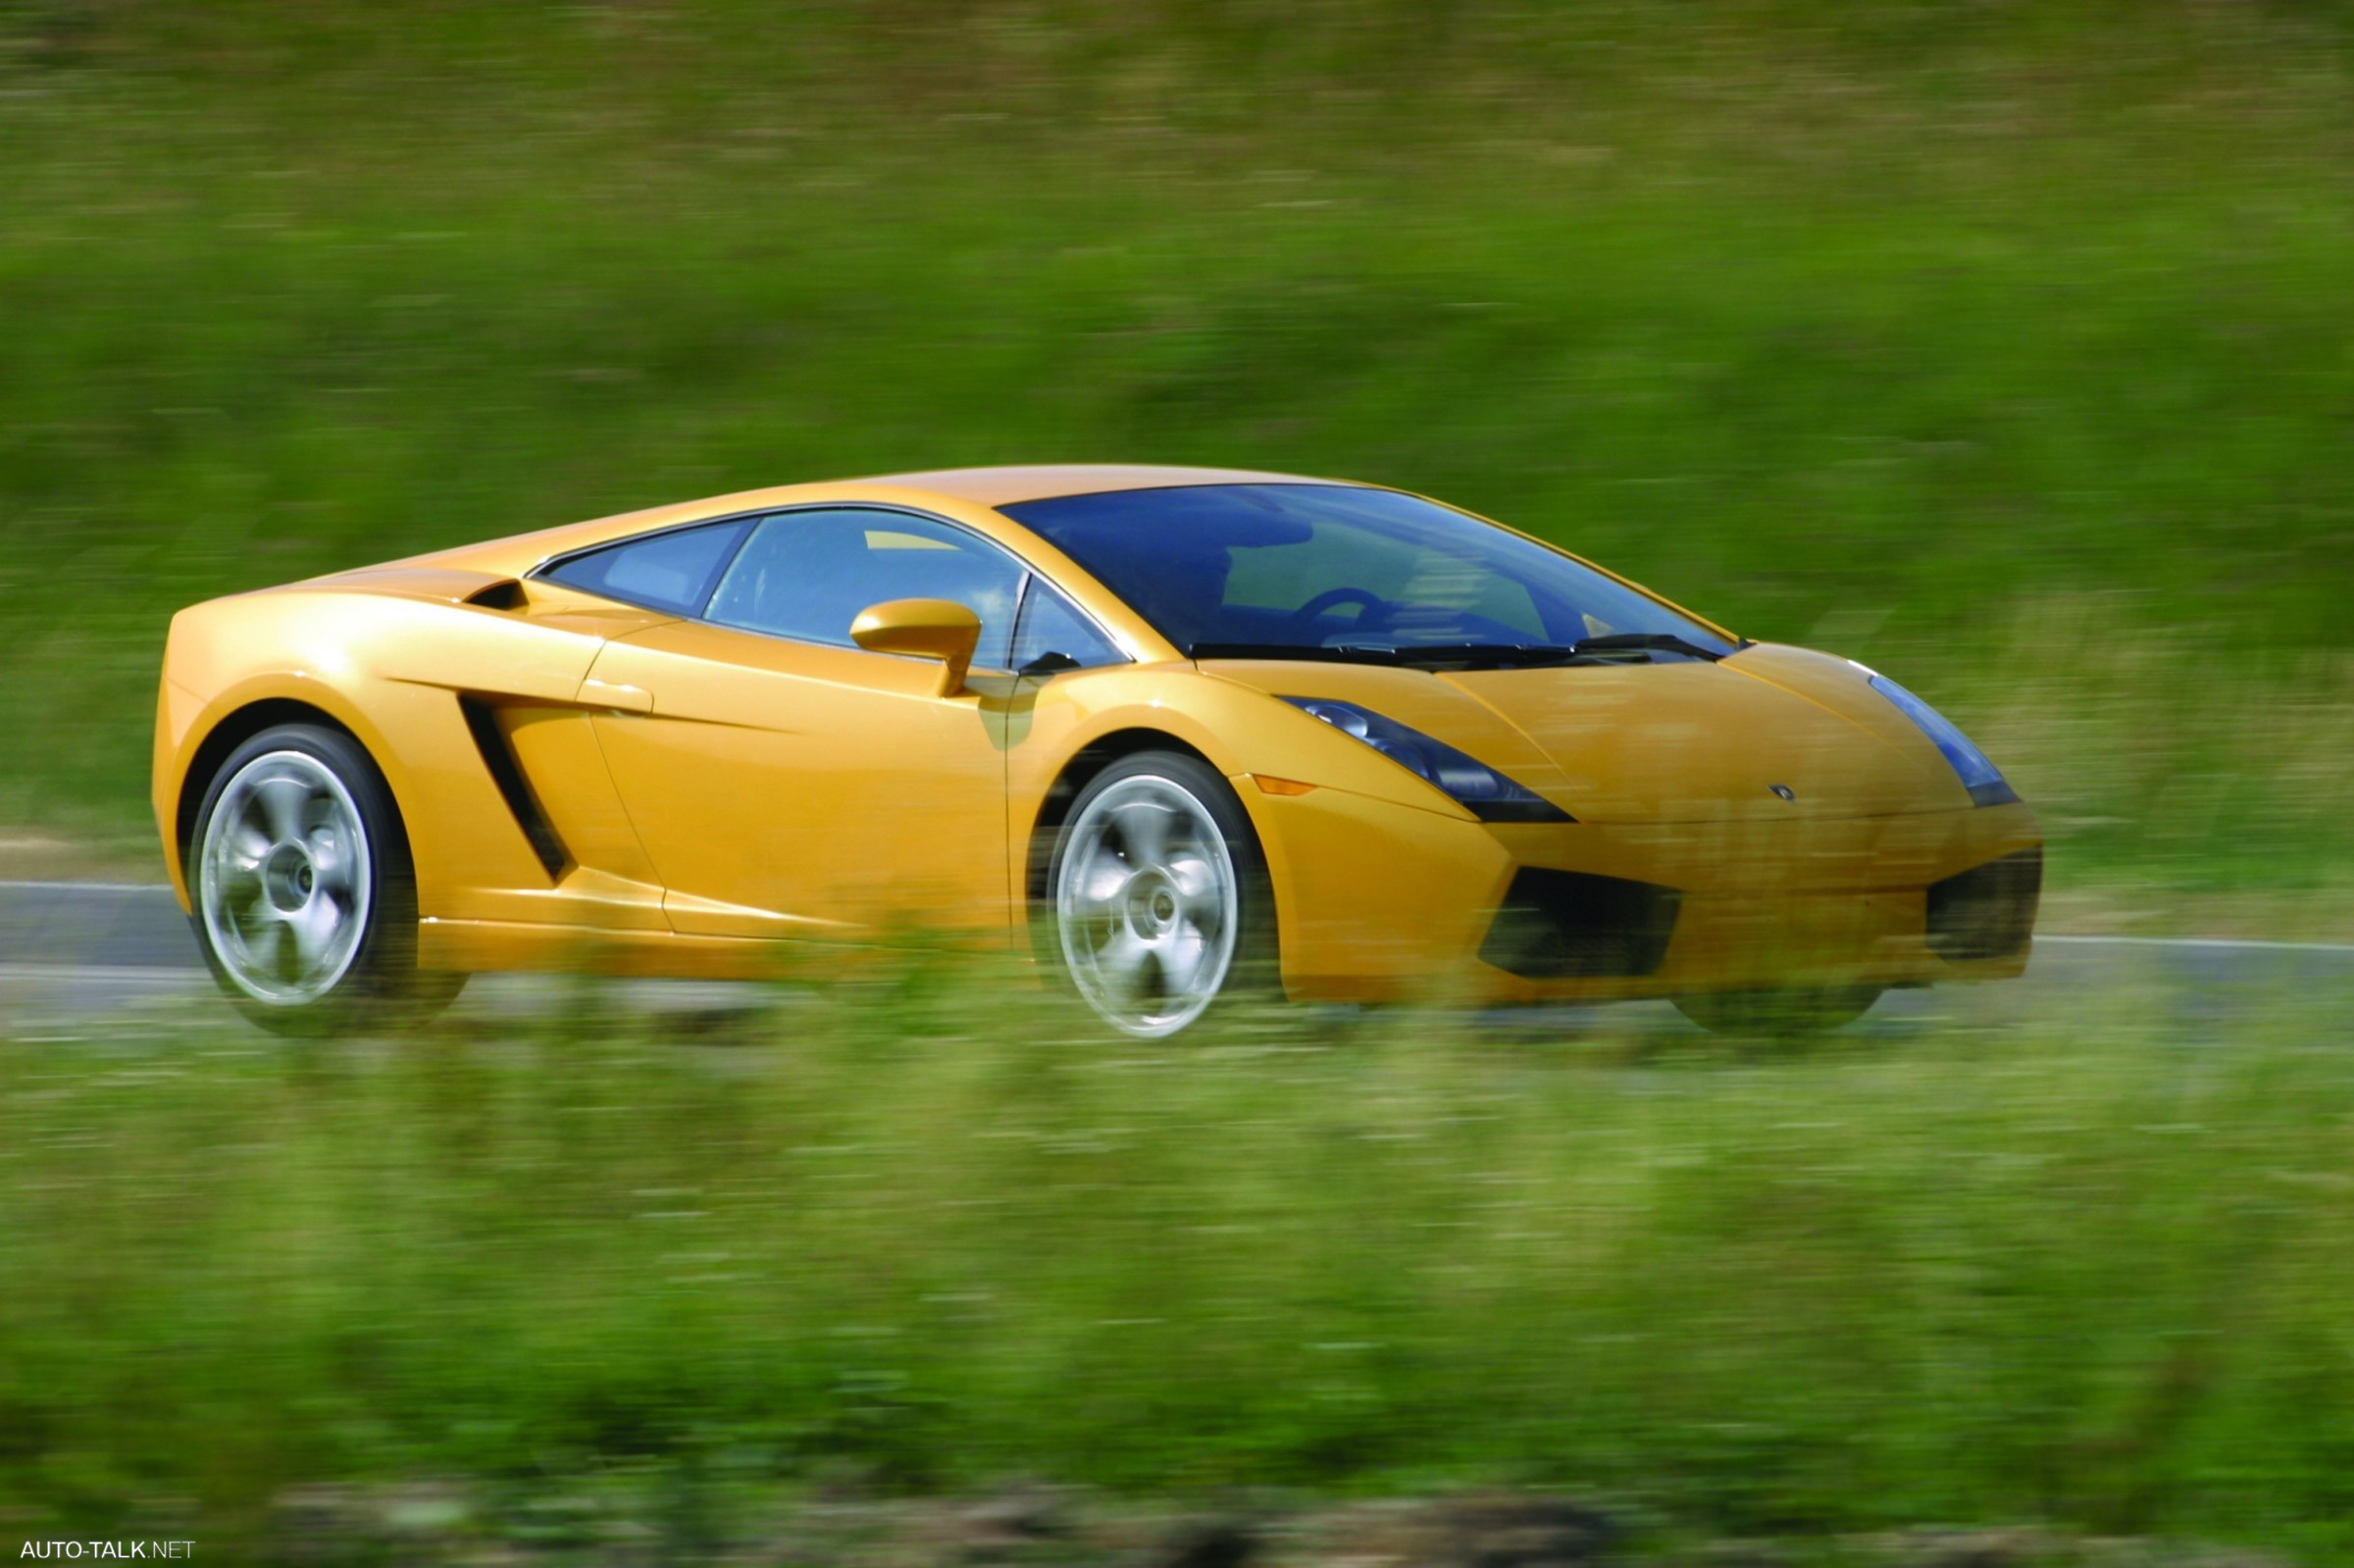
[
  {"x": 1464, "y": 655},
  {"x": 1428, "y": 655},
  {"x": 1644, "y": 642}
]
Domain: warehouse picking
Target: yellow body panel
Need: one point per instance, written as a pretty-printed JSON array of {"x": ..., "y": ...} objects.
[
  {"x": 789, "y": 790},
  {"x": 586, "y": 782},
  {"x": 1642, "y": 742}
]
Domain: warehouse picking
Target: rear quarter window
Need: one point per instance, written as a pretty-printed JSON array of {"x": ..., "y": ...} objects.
[{"x": 673, "y": 571}]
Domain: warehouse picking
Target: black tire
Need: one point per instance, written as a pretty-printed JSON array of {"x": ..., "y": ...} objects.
[
  {"x": 367, "y": 979},
  {"x": 1139, "y": 781},
  {"x": 1794, "y": 1013}
]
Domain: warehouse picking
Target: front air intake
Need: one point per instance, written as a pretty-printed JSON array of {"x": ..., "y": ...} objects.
[
  {"x": 1572, "y": 925},
  {"x": 1987, "y": 911}
]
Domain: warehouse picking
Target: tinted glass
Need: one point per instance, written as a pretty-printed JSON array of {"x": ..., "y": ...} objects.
[
  {"x": 1326, "y": 566},
  {"x": 671, "y": 570},
  {"x": 809, "y": 573},
  {"x": 1051, "y": 623}
]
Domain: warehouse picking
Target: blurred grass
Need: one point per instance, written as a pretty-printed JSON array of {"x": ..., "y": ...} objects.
[
  {"x": 2090, "y": 1272},
  {"x": 2005, "y": 347}
]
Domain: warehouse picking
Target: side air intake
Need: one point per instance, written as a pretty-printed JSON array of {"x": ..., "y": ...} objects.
[
  {"x": 482, "y": 722},
  {"x": 504, "y": 594},
  {"x": 1571, "y": 924}
]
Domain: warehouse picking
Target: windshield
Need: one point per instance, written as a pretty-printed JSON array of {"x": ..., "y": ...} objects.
[{"x": 1321, "y": 571}]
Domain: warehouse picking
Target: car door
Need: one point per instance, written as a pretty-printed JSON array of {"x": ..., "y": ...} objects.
[{"x": 787, "y": 784}]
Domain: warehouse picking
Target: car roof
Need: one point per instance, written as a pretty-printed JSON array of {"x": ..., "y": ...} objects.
[
  {"x": 1040, "y": 482},
  {"x": 981, "y": 488}
]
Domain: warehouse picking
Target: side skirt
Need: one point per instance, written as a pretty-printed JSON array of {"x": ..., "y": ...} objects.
[{"x": 480, "y": 945}]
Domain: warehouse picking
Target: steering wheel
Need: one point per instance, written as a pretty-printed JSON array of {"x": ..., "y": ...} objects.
[{"x": 1372, "y": 614}]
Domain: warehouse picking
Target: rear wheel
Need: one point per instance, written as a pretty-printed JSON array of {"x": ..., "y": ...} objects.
[
  {"x": 1160, "y": 901},
  {"x": 1793, "y": 1013},
  {"x": 305, "y": 899}
]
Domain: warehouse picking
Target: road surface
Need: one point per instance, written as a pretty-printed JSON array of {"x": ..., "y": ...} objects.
[{"x": 72, "y": 952}]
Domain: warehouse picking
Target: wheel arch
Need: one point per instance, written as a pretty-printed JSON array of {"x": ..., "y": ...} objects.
[
  {"x": 1076, "y": 774},
  {"x": 379, "y": 982},
  {"x": 234, "y": 728},
  {"x": 1086, "y": 764}
]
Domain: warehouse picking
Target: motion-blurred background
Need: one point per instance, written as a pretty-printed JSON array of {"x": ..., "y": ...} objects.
[
  {"x": 2010, "y": 346},
  {"x": 2006, "y": 346}
]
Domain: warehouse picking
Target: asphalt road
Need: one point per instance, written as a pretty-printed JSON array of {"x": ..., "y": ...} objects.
[{"x": 71, "y": 953}]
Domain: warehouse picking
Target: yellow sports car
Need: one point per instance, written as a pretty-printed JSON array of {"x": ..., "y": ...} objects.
[{"x": 1175, "y": 734}]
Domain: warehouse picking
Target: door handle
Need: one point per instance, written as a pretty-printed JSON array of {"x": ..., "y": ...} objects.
[{"x": 596, "y": 693}]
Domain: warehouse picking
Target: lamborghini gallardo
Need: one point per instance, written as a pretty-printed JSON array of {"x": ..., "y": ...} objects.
[{"x": 1173, "y": 736}]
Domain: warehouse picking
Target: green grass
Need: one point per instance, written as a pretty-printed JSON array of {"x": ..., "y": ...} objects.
[
  {"x": 2090, "y": 1272},
  {"x": 2000, "y": 347}
]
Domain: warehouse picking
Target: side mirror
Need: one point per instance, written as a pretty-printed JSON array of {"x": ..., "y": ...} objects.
[{"x": 922, "y": 628}]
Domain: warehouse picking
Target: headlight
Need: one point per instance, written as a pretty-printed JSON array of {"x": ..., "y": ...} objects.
[
  {"x": 1486, "y": 793},
  {"x": 1984, "y": 781}
]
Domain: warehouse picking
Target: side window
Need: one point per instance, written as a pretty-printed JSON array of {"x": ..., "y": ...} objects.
[
  {"x": 809, "y": 573},
  {"x": 671, "y": 570},
  {"x": 1051, "y": 623}
]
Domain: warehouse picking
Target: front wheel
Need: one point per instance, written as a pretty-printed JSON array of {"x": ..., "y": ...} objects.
[
  {"x": 1793, "y": 1013},
  {"x": 1160, "y": 901},
  {"x": 305, "y": 902}
]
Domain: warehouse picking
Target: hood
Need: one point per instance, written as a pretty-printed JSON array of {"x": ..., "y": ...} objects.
[{"x": 1660, "y": 743}]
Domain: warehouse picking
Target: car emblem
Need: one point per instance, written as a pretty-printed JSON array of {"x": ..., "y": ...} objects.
[{"x": 1784, "y": 790}]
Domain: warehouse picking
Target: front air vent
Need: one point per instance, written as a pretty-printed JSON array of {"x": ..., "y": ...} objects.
[
  {"x": 498, "y": 756},
  {"x": 1572, "y": 925},
  {"x": 1987, "y": 911}
]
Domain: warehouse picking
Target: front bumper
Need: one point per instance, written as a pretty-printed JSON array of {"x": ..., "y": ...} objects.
[{"x": 1378, "y": 901}]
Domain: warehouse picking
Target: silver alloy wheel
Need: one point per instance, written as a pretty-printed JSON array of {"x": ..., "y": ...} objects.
[
  {"x": 1147, "y": 906},
  {"x": 284, "y": 878}
]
